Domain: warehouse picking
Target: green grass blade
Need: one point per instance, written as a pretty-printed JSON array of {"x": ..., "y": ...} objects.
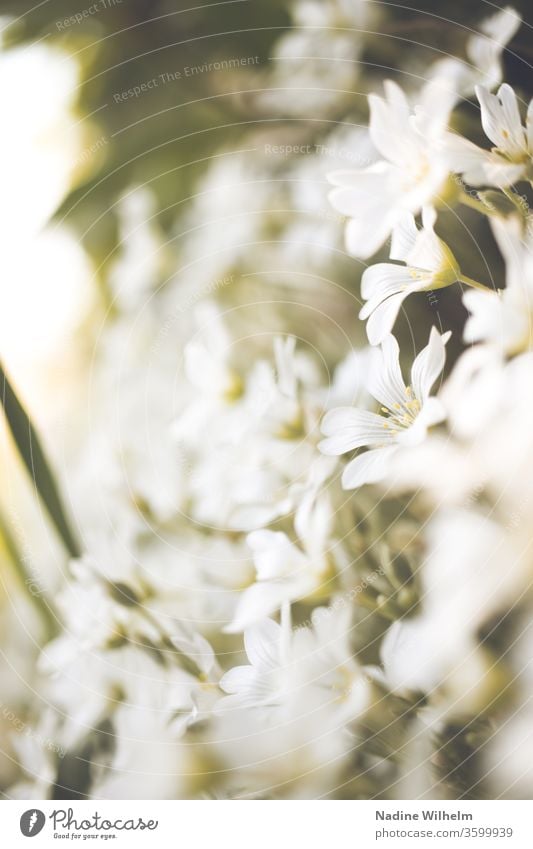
[{"x": 33, "y": 456}]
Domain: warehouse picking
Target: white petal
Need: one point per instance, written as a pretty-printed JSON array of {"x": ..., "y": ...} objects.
[
  {"x": 529, "y": 127},
  {"x": 257, "y": 602},
  {"x": 383, "y": 279},
  {"x": 484, "y": 50},
  {"x": 362, "y": 191},
  {"x": 275, "y": 556},
  {"x": 500, "y": 118},
  {"x": 349, "y": 429},
  {"x": 512, "y": 120},
  {"x": 486, "y": 316},
  {"x": 259, "y": 540},
  {"x": 284, "y": 348},
  {"x": 366, "y": 234},
  {"x": 429, "y": 252},
  {"x": 238, "y": 680},
  {"x": 429, "y": 217},
  {"x": 267, "y": 597},
  {"x": 262, "y": 642},
  {"x": 370, "y": 467},
  {"x": 403, "y": 238},
  {"x": 381, "y": 322},
  {"x": 491, "y": 118},
  {"x": 437, "y": 99},
  {"x": 361, "y": 180},
  {"x": 397, "y": 99},
  {"x": 389, "y": 126},
  {"x": 432, "y": 413},
  {"x": 465, "y": 157},
  {"x": 498, "y": 172},
  {"x": 404, "y": 641},
  {"x": 386, "y": 382},
  {"x": 428, "y": 364}
]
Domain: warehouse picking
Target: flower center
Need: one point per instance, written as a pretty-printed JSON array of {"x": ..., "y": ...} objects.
[
  {"x": 403, "y": 415},
  {"x": 419, "y": 274},
  {"x": 342, "y": 683}
]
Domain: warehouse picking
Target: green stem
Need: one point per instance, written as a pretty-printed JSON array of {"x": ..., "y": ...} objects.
[
  {"x": 475, "y": 285},
  {"x": 517, "y": 201},
  {"x": 475, "y": 203}
]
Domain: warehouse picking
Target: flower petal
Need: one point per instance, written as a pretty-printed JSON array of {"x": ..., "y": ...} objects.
[
  {"x": 465, "y": 157},
  {"x": 274, "y": 555},
  {"x": 385, "y": 381},
  {"x": 485, "y": 48},
  {"x": 266, "y": 597},
  {"x": 359, "y": 191},
  {"x": 262, "y": 643},
  {"x": 500, "y": 118},
  {"x": 238, "y": 679},
  {"x": 428, "y": 364},
  {"x": 381, "y": 322},
  {"x": 511, "y": 114},
  {"x": 257, "y": 602},
  {"x": 529, "y": 126},
  {"x": 403, "y": 238},
  {"x": 389, "y": 126},
  {"x": 499, "y": 172},
  {"x": 431, "y": 413},
  {"x": 381, "y": 280},
  {"x": 349, "y": 428},
  {"x": 429, "y": 252},
  {"x": 370, "y": 467},
  {"x": 366, "y": 234}
]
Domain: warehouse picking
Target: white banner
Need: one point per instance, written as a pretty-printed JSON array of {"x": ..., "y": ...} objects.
[{"x": 268, "y": 825}]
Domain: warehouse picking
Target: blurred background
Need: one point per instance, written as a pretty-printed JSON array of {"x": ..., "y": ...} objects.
[{"x": 157, "y": 154}]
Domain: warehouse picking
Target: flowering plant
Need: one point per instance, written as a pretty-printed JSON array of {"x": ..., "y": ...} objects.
[{"x": 297, "y": 519}]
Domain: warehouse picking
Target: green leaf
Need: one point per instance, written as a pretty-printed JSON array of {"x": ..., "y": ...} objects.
[{"x": 33, "y": 456}]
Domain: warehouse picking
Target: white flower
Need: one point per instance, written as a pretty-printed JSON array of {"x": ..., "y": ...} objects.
[
  {"x": 489, "y": 441},
  {"x": 484, "y": 49},
  {"x": 408, "y": 413},
  {"x": 463, "y": 585},
  {"x": 264, "y": 680},
  {"x": 310, "y": 666},
  {"x": 264, "y": 441},
  {"x": 144, "y": 595},
  {"x": 286, "y": 572},
  {"x": 510, "y": 159},
  {"x": 147, "y": 742},
  {"x": 37, "y": 750},
  {"x": 87, "y": 685},
  {"x": 415, "y": 167},
  {"x": 331, "y": 32},
  {"x": 504, "y": 318},
  {"x": 291, "y": 713},
  {"x": 483, "y": 65},
  {"x": 490, "y": 411},
  {"x": 140, "y": 266},
  {"x": 412, "y": 173},
  {"x": 429, "y": 264}
]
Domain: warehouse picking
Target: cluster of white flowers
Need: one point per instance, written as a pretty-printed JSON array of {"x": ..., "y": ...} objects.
[{"x": 260, "y": 611}]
